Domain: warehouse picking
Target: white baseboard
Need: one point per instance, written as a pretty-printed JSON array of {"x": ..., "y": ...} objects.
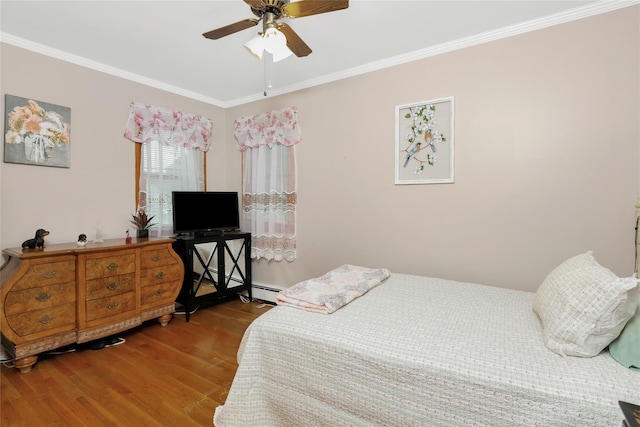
[{"x": 264, "y": 292}]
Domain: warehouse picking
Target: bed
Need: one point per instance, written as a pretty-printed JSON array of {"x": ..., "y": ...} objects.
[{"x": 420, "y": 351}]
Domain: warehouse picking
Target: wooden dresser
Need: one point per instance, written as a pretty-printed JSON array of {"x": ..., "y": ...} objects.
[{"x": 66, "y": 294}]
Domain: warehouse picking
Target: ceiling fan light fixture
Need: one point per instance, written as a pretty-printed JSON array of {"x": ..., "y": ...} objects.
[
  {"x": 272, "y": 41},
  {"x": 281, "y": 53},
  {"x": 275, "y": 43},
  {"x": 255, "y": 46}
]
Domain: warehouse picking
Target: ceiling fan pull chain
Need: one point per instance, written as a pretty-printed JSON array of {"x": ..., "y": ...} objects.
[{"x": 266, "y": 86}]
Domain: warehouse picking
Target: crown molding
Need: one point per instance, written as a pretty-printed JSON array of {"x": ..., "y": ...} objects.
[
  {"x": 104, "y": 68},
  {"x": 486, "y": 37}
]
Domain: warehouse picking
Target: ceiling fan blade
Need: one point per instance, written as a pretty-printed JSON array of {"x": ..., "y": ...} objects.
[
  {"x": 294, "y": 42},
  {"x": 230, "y": 29},
  {"x": 256, "y": 4},
  {"x": 312, "y": 7}
]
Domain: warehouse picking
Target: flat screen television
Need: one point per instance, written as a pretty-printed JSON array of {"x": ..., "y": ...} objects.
[{"x": 202, "y": 212}]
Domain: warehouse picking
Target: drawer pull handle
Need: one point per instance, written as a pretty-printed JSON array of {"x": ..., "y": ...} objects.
[
  {"x": 50, "y": 274},
  {"x": 112, "y": 306},
  {"x": 112, "y": 286},
  {"x": 155, "y": 258},
  {"x": 160, "y": 275},
  {"x": 45, "y": 319},
  {"x": 158, "y": 292},
  {"x": 112, "y": 266},
  {"x": 43, "y": 297}
]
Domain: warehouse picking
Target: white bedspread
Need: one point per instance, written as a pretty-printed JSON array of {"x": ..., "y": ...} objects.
[{"x": 418, "y": 351}]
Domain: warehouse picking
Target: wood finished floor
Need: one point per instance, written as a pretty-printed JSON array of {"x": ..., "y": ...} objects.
[{"x": 172, "y": 376}]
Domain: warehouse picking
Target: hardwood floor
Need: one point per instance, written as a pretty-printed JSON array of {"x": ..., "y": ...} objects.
[{"x": 171, "y": 376}]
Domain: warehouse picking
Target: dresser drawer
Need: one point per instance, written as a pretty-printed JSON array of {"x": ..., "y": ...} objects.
[
  {"x": 156, "y": 295},
  {"x": 107, "y": 286},
  {"x": 32, "y": 322},
  {"x": 108, "y": 266},
  {"x": 111, "y": 306},
  {"x": 167, "y": 273},
  {"x": 24, "y": 301},
  {"x": 39, "y": 275},
  {"x": 156, "y": 258}
]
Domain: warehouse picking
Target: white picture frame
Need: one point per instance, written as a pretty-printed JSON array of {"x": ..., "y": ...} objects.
[{"x": 424, "y": 146}]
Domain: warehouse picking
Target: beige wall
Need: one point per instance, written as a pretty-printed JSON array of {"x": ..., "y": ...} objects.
[
  {"x": 98, "y": 189},
  {"x": 546, "y": 141},
  {"x": 546, "y": 166}
]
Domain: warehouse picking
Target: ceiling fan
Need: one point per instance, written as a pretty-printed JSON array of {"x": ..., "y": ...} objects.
[{"x": 278, "y": 38}]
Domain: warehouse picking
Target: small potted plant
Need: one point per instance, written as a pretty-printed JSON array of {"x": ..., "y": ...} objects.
[{"x": 142, "y": 223}]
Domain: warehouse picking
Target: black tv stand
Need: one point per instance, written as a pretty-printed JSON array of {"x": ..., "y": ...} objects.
[
  {"x": 210, "y": 233},
  {"x": 199, "y": 251},
  {"x": 207, "y": 233}
]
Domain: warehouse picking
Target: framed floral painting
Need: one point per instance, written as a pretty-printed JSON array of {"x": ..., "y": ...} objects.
[
  {"x": 36, "y": 133},
  {"x": 424, "y": 142}
]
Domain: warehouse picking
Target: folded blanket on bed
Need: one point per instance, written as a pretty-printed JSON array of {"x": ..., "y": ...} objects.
[{"x": 338, "y": 287}]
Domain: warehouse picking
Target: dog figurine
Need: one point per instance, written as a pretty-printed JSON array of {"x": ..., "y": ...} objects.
[
  {"x": 37, "y": 241},
  {"x": 82, "y": 240}
]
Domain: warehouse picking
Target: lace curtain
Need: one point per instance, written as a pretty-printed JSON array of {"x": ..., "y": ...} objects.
[
  {"x": 172, "y": 158},
  {"x": 267, "y": 142}
]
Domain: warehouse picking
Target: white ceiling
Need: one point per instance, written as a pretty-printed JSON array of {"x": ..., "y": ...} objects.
[{"x": 160, "y": 43}]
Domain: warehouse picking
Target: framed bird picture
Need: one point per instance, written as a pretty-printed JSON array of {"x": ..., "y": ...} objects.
[{"x": 424, "y": 142}]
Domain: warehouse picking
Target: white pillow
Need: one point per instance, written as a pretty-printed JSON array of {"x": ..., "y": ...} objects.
[{"x": 583, "y": 306}]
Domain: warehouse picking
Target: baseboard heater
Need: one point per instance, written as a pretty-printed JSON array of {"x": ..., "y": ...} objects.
[
  {"x": 264, "y": 293},
  {"x": 258, "y": 291}
]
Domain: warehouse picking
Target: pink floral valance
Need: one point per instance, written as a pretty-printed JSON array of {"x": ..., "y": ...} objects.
[
  {"x": 148, "y": 123},
  {"x": 275, "y": 127}
]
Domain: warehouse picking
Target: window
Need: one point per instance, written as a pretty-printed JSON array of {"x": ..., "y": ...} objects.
[
  {"x": 161, "y": 170},
  {"x": 269, "y": 196},
  {"x": 170, "y": 156}
]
